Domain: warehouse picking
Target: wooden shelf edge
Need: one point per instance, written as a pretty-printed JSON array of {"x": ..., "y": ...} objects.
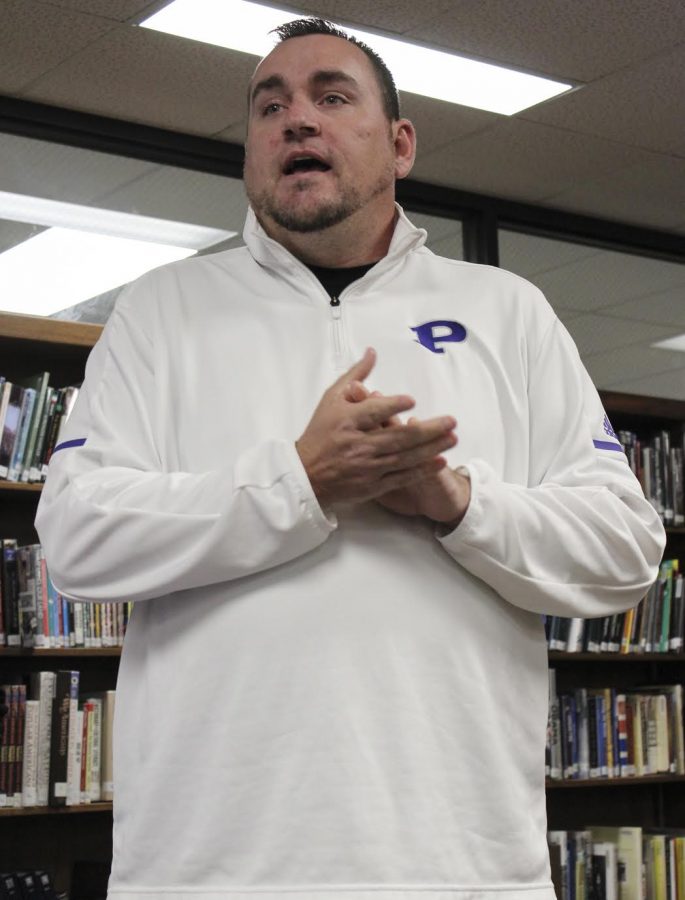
[
  {"x": 30, "y": 652},
  {"x": 613, "y": 782},
  {"x": 21, "y": 487},
  {"x": 562, "y": 656},
  {"x": 9, "y": 811},
  {"x": 50, "y": 331}
]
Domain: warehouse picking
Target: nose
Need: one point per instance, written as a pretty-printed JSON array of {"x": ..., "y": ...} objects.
[{"x": 301, "y": 120}]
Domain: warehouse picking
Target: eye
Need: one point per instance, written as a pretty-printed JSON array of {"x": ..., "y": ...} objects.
[
  {"x": 270, "y": 108},
  {"x": 333, "y": 100}
]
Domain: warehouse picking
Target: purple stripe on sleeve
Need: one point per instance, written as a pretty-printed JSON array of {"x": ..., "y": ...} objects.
[
  {"x": 608, "y": 445},
  {"x": 77, "y": 442}
]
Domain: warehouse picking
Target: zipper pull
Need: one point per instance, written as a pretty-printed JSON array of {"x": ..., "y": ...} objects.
[{"x": 335, "y": 306}]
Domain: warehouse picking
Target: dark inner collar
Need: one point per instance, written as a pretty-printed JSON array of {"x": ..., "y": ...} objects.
[{"x": 336, "y": 280}]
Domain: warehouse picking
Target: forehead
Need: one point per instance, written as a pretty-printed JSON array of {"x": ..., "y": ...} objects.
[{"x": 297, "y": 59}]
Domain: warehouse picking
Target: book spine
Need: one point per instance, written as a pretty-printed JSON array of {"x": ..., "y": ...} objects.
[
  {"x": 59, "y": 750},
  {"x": 30, "y": 762},
  {"x": 43, "y": 690},
  {"x": 74, "y": 753},
  {"x": 107, "y": 769}
]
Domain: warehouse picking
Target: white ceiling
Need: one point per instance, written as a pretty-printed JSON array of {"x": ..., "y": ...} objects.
[{"x": 614, "y": 148}]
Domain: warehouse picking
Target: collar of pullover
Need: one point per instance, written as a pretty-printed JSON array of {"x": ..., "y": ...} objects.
[{"x": 269, "y": 253}]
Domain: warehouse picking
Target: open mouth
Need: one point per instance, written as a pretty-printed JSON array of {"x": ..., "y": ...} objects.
[{"x": 305, "y": 164}]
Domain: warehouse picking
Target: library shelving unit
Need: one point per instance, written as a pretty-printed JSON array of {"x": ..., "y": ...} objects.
[
  {"x": 651, "y": 801},
  {"x": 57, "y": 840}
]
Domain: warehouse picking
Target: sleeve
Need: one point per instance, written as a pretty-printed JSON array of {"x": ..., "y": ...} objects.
[
  {"x": 579, "y": 539},
  {"x": 114, "y": 525}
]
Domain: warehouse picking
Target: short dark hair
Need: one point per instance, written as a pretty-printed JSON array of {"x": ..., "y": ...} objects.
[{"x": 313, "y": 25}]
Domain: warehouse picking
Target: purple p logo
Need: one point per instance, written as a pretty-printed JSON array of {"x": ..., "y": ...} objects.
[{"x": 430, "y": 334}]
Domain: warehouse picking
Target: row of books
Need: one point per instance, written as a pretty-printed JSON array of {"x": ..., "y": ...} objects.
[
  {"x": 655, "y": 625},
  {"x": 28, "y": 886},
  {"x": 609, "y": 733},
  {"x": 32, "y": 415},
  {"x": 55, "y": 743},
  {"x": 619, "y": 863},
  {"x": 34, "y": 614},
  {"x": 658, "y": 465}
]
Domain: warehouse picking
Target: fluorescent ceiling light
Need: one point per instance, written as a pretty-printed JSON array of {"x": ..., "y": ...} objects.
[
  {"x": 86, "y": 251},
  {"x": 241, "y": 25},
  {"x": 672, "y": 343},
  {"x": 54, "y": 213}
]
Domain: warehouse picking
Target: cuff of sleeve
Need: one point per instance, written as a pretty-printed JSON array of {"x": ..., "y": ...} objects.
[
  {"x": 471, "y": 523},
  {"x": 326, "y": 520}
]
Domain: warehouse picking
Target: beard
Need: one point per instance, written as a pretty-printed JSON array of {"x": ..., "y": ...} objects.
[{"x": 303, "y": 218}]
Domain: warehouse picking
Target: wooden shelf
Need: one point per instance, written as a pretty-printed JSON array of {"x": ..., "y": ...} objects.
[
  {"x": 55, "y": 810},
  {"x": 31, "y": 653},
  {"x": 640, "y": 406},
  {"x": 562, "y": 656},
  {"x": 20, "y": 488},
  {"x": 48, "y": 331},
  {"x": 613, "y": 782}
]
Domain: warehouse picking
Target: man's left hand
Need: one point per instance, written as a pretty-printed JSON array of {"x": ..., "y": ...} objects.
[{"x": 444, "y": 497}]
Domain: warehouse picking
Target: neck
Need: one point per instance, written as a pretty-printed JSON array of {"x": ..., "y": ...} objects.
[{"x": 356, "y": 241}]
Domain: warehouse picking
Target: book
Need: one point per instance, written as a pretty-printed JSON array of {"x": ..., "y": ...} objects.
[
  {"x": 63, "y": 718},
  {"x": 30, "y": 762},
  {"x": 39, "y": 383},
  {"x": 628, "y": 842},
  {"x": 10, "y": 591},
  {"x": 107, "y": 768},
  {"x": 10, "y": 427},
  {"x": 605, "y": 870},
  {"x": 42, "y": 686}
]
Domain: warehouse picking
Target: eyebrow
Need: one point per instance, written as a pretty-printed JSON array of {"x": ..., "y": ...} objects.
[{"x": 319, "y": 79}]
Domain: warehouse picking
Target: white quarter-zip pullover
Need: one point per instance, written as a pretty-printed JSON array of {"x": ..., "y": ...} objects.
[{"x": 335, "y": 704}]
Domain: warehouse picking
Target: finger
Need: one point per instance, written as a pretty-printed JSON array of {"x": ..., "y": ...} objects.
[
  {"x": 355, "y": 392},
  {"x": 373, "y": 411},
  {"x": 407, "y": 477},
  {"x": 414, "y": 434},
  {"x": 409, "y": 459},
  {"x": 393, "y": 420},
  {"x": 359, "y": 371}
]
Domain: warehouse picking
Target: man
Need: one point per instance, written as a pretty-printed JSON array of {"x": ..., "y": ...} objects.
[{"x": 334, "y": 681}]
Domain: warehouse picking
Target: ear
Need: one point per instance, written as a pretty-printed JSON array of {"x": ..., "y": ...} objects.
[{"x": 404, "y": 138}]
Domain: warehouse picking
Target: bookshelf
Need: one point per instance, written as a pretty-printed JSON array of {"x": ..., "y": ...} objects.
[
  {"x": 74, "y": 839},
  {"x": 650, "y": 800}
]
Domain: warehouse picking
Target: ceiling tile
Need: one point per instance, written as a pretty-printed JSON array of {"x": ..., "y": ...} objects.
[
  {"x": 606, "y": 279},
  {"x": 35, "y": 37},
  {"x": 667, "y": 307},
  {"x": 628, "y": 363},
  {"x": 386, "y": 15},
  {"x": 183, "y": 196},
  {"x": 641, "y": 105},
  {"x": 60, "y": 172},
  {"x": 521, "y": 160},
  {"x": 159, "y": 79},
  {"x": 117, "y": 10},
  {"x": 529, "y": 254},
  {"x": 651, "y": 194},
  {"x": 670, "y": 385},
  {"x": 580, "y": 40},
  {"x": 438, "y": 123},
  {"x": 597, "y": 334}
]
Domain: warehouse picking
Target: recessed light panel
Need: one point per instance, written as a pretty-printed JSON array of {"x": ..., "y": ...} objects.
[{"x": 245, "y": 26}]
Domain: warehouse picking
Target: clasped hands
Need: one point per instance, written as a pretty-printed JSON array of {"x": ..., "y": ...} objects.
[{"x": 355, "y": 448}]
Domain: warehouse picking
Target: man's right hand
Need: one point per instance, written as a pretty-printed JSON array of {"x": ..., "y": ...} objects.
[{"x": 348, "y": 457}]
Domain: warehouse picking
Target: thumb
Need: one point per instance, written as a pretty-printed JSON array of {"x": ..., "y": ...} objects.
[{"x": 360, "y": 370}]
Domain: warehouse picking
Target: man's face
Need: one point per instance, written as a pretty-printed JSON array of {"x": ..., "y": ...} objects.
[{"x": 319, "y": 146}]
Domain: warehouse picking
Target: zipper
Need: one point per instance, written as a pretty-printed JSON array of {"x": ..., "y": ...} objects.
[{"x": 338, "y": 344}]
